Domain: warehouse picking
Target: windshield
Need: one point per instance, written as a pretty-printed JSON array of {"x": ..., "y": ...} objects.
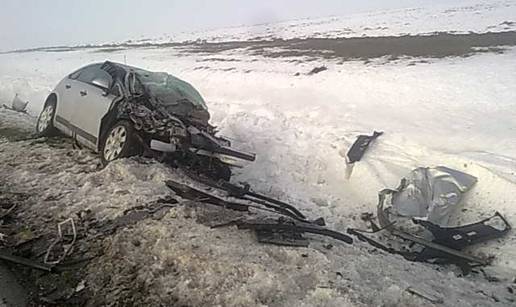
[{"x": 168, "y": 89}]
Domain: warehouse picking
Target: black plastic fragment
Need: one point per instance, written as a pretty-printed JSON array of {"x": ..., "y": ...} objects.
[
  {"x": 281, "y": 238},
  {"x": 357, "y": 150},
  {"x": 244, "y": 192},
  {"x": 285, "y": 231},
  {"x": 188, "y": 192},
  {"x": 294, "y": 227},
  {"x": 462, "y": 236},
  {"x": 362, "y": 237},
  {"x": 447, "y": 243},
  {"x": 440, "y": 251}
]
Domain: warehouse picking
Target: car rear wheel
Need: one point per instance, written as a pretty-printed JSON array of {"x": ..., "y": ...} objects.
[
  {"x": 119, "y": 142},
  {"x": 45, "y": 125}
]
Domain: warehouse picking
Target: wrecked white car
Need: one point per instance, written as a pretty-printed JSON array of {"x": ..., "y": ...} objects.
[{"x": 120, "y": 111}]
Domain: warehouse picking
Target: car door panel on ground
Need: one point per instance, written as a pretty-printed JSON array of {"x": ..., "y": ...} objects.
[{"x": 92, "y": 103}]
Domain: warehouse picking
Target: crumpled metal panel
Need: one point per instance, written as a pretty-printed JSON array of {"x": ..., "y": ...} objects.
[{"x": 432, "y": 194}]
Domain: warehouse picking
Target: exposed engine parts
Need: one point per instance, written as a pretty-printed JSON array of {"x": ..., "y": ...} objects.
[{"x": 171, "y": 118}]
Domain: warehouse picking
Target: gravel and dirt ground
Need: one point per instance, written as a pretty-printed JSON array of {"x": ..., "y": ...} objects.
[{"x": 172, "y": 257}]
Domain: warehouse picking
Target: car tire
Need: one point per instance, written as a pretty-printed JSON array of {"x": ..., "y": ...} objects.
[
  {"x": 45, "y": 124},
  {"x": 119, "y": 141}
]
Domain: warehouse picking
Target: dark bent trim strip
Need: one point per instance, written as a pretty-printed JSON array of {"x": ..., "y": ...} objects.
[{"x": 91, "y": 138}]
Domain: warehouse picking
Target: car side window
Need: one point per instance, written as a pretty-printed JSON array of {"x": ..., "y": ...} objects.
[
  {"x": 95, "y": 76},
  {"x": 75, "y": 74}
]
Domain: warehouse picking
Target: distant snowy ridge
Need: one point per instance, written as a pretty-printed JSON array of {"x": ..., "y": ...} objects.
[{"x": 471, "y": 16}]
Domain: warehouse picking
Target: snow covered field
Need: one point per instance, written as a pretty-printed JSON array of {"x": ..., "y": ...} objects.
[
  {"x": 454, "y": 111},
  {"x": 471, "y": 16}
]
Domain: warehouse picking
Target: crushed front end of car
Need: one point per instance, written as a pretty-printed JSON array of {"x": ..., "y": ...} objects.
[{"x": 172, "y": 120}]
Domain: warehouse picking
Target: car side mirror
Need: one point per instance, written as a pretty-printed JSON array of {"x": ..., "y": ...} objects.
[{"x": 102, "y": 83}]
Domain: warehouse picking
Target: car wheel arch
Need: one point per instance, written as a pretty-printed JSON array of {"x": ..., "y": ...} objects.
[
  {"x": 52, "y": 98},
  {"x": 109, "y": 119}
]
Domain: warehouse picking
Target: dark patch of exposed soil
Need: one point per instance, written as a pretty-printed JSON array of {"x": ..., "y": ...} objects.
[
  {"x": 436, "y": 45},
  {"x": 432, "y": 45}
]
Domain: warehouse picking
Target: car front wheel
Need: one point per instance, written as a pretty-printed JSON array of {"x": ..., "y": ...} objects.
[
  {"x": 119, "y": 142},
  {"x": 45, "y": 125}
]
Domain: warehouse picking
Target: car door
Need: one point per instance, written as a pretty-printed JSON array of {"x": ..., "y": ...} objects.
[
  {"x": 68, "y": 91},
  {"x": 93, "y": 102}
]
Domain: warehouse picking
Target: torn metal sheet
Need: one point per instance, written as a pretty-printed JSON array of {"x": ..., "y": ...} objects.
[
  {"x": 358, "y": 149},
  {"x": 431, "y": 194},
  {"x": 428, "y": 197}
]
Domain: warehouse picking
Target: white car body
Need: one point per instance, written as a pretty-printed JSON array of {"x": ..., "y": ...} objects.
[{"x": 82, "y": 101}]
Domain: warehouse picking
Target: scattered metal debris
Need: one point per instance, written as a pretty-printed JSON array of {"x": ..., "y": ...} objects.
[
  {"x": 193, "y": 193},
  {"x": 244, "y": 192},
  {"x": 426, "y": 199},
  {"x": 66, "y": 246},
  {"x": 285, "y": 230},
  {"x": 26, "y": 262}
]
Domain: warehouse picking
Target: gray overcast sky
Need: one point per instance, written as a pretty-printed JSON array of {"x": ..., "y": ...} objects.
[{"x": 35, "y": 23}]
